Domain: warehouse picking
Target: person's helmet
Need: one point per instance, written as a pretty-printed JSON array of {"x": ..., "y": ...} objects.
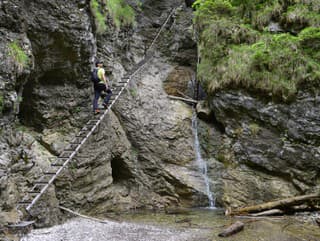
[{"x": 98, "y": 62}]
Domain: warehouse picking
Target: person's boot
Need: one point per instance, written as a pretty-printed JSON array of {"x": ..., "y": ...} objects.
[{"x": 105, "y": 105}]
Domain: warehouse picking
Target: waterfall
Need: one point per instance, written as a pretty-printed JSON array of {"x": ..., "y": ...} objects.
[{"x": 202, "y": 163}]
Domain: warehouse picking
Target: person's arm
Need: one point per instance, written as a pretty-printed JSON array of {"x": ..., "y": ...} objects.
[{"x": 105, "y": 80}]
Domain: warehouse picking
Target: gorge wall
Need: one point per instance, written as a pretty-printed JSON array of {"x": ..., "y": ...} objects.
[
  {"x": 45, "y": 103},
  {"x": 143, "y": 154}
]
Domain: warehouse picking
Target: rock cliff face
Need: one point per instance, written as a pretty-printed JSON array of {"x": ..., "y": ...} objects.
[
  {"x": 265, "y": 150},
  {"x": 142, "y": 156}
]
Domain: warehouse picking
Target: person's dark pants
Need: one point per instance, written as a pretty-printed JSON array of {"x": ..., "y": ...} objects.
[{"x": 97, "y": 93}]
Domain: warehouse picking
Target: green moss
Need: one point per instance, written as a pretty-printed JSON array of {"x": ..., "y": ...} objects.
[
  {"x": 133, "y": 92},
  {"x": 302, "y": 14},
  {"x": 236, "y": 52},
  {"x": 99, "y": 16},
  {"x": 122, "y": 14},
  {"x": 18, "y": 54},
  {"x": 268, "y": 65},
  {"x": 254, "y": 129},
  {"x": 212, "y": 7},
  {"x": 262, "y": 17},
  {"x": 238, "y": 132}
]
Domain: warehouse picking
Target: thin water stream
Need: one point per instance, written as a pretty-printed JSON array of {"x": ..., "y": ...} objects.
[{"x": 201, "y": 162}]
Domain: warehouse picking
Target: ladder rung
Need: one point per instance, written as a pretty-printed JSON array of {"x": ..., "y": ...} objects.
[
  {"x": 118, "y": 85},
  {"x": 86, "y": 127},
  {"x": 41, "y": 182},
  {"x": 66, "y": 154},
  {"x": 89, "y": 126},
  {"x": 71, "y": 148},
  {"x": 56, "y": 164},
  {"x": 91, "y": 122},
  {"x": 62, "y": 158},
  {"x": 49, "y": 173},
  {"x": 34, "y": 192},
  {"x": 81, "y": 135},
  {"x": 36, "y": 187}
]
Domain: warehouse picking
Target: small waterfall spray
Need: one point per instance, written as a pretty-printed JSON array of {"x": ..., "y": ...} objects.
[{"x": 202, "y": 163}]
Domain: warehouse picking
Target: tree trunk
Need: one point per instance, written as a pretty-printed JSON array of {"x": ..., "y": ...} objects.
[
  {"x": 267, "y": 213},
  {"x": 281, "y": 204},
  {"x": 234, "y": 228}
]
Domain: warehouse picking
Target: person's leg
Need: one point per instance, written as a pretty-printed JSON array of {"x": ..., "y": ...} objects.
[
  {"x": 96, "y": 98},
  {"x": 109, "y": 93}
]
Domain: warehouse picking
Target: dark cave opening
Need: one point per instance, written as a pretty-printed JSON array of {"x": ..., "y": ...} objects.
[{"x": 120, "y": 170}]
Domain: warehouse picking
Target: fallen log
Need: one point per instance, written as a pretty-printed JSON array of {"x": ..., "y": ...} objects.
[
  {"x": 268, "y": 213},
  {"x": 280, "y": 204},
  {"x": 183, "y": 99},
  {"x": 232, "y": 229}
]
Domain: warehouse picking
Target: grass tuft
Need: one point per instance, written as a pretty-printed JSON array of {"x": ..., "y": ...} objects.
[
  {"x": 237, "y": 51},
  {"x": 99, "y": 16},
  {"x": 18, "y": 55},
  {"x": 121, "y": 13}
]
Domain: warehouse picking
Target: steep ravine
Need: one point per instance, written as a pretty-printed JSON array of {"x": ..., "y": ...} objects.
[
  {"x": 124, "y": 165},
  {"x": 143, "y": 154}
]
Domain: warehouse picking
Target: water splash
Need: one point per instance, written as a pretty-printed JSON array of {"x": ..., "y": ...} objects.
[{"x": 202, "y": 163}]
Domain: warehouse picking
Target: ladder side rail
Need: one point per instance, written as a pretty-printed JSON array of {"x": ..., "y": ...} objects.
[
  {"x": 162, "y": 27},
  {"x": 143, "y": 62},
  {"x": 62, "y": 167}
]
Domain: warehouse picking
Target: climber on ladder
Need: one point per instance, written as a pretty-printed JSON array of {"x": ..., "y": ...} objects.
[{"x": 100, "y": 84}]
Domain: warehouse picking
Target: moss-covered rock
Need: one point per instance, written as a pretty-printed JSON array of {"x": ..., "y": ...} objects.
[{"x": 239, "y": 52}]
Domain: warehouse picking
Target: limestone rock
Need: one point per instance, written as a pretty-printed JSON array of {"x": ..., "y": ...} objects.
[{"x": 270, "y": 151}]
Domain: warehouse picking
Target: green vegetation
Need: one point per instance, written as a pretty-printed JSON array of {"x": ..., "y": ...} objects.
[
  {"x": 254, "y": 129},
  {"x": 133, "y": 92},
  {"x": 238, "y": 51},
  {"x": 1, "y": 103},
  {"x": 18, "y": 55},
  {"x": 121, "y": 13},
  {"x": 100, "y": 17}
]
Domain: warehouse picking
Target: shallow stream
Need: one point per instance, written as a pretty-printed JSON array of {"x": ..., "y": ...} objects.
[
  {"x": 188, "y": 225},
  {"x": 212, "y": 222}
]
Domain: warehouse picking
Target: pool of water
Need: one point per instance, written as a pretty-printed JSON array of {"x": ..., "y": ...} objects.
[{"x": 213, "y": 221}]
